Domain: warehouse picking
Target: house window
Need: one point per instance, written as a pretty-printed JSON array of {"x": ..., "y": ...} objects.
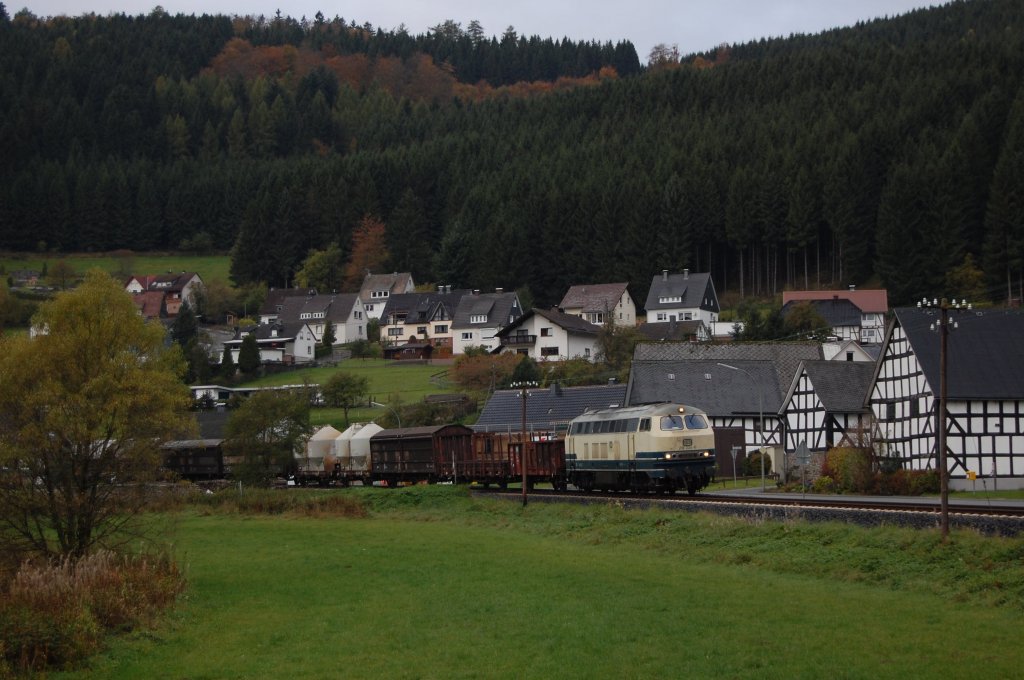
[
  {"x": 318, "y": 315},
  {"x": 394, "y": 332},
  {"x": 586, "y": 352},
  {"x": 360, "y": 331},
  {"x": 441, "y": 329},
  {"x": 478, "y": 318},
  {"x": 596, "y": 317},
  {"x": 549, "y": 351},
  {"x": 890, "y": 411},
  {"x": 849, "y": 356},
  {"x": 359, "y": 315},
  {"x": 379, "y": 294},
  {"x": 662, "y": 316},
  {"x": 467, "y": 336},
  {"x": 545, "y": 332},
  {"x": 305, "y": 315},
  {"x": 369, "y": 308},
  {"x": 688, "y": 316},
  {"x": 915, "y": 407},
  {"x": 421, "y": 330}
]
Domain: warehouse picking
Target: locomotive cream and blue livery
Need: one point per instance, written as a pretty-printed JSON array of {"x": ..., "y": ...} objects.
[{"x": 654, "y": 447}]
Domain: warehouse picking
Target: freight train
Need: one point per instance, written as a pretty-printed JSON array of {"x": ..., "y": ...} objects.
[{"x": 653, "y": 447}]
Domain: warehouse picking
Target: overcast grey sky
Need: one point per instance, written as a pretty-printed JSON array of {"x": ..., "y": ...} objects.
[{"x": 695, "y": 25}]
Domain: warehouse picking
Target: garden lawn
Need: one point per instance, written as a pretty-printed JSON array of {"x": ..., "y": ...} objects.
[{"x": 295, "y": 597}]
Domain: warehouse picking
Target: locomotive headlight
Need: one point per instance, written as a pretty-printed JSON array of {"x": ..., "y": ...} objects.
[
  {"x": 707, "y": 454},
  {"x": 668, "y": 456}
]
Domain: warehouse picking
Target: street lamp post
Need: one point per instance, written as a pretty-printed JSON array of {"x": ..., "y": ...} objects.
[
  {"x": 523, "y": 386},
  {"x": 760, "y": 409}
]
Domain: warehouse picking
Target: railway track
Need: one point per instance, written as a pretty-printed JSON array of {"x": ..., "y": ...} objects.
[{"x": 996, "y": 518}]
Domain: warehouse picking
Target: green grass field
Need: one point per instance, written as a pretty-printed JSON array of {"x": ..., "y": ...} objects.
[
  {"x": 389, "y": 380},
  {"x": 435, "y": 585},
  {"x": 209, "y": 267}
]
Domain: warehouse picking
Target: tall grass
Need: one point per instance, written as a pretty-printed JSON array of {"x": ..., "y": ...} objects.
[{"x": 57, "y": 615}]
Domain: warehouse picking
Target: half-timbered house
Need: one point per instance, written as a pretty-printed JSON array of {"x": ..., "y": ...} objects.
[
  {"x": 985, "y": 392},
  {"x": 826, "y": 405},
  {"x": 739, "y": 386}
]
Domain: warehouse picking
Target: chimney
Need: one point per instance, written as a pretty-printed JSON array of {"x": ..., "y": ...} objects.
[
  {"x": 499, "y": 290},
  {"x": 852, "y": 287},
  {"x": 686, "y": 274},
  {"x": 440, "y": 289},
  {"x": 476, "y": 291},
  {"x": 664, "y": 275}
]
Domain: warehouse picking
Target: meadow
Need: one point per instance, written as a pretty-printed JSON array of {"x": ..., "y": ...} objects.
[
  {"x": 209, "y": 267},
  {"x": 390, "y": 382},
  {"x": 431, "y": 583}
]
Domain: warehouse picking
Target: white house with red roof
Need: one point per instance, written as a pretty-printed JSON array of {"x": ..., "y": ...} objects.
[{"x": 873, "y": 305}]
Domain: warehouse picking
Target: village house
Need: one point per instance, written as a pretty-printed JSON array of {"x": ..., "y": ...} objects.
[
  {"x": 176, "y": 289},
  {"x": 377, "y": 288},
  {"x": 682, "y": 297},
  {"x": 852, "y": 314},
  {"x": 550, "y": 335},
  {"x": 422, "y": 317},
  {"x": 480, "y": 316},
  {"x": 600, "y": 303},
  {"x": 826, "y": 405},
  {"x": 738, "y": 385},
  {"x": 270, "y": 310},
  {"x": 278, "y": 343},
  {"x": 985, "y": 388},
  {"x": 343, "y": 311}
]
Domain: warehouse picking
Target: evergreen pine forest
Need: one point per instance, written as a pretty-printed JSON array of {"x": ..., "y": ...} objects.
[{"x": 887, "y": 153}]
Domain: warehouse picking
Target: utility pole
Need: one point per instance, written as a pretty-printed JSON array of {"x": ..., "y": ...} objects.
[
  {"x": 523, "y": 386},
  {"x": 944, "y": 306}
]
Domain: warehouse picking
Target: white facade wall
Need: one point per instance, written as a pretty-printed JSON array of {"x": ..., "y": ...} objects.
[{"x": 683, "y": 314}]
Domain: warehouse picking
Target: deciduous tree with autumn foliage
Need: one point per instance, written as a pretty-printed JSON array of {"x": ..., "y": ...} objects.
[{"x": 369, "y": 251}]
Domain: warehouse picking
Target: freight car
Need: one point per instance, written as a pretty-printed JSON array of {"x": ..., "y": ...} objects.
[
  {"x": 419, "y": 454},
  {"x": 654, "y": 447}
]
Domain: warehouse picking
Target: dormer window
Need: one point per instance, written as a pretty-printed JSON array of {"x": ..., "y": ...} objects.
[
  {"x": 478, "y": 318},
  {"x": 665, "y": 299}
]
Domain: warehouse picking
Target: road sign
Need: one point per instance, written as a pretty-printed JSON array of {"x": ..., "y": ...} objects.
[{"x": 803, "y": 454}]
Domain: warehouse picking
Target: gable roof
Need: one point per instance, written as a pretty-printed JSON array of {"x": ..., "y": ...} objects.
[
  {"x": 497, "y": 307},
  {"x": 594, "y": 297},
  {"x": 784, "y": 356},
  {"x": 334, "y": 307},
  {"x": 170, "y": 282},
  {"x": 150, "y": 304},
  {"x": 276, "y": 297},
  {"x": 546, "y": 407},
  {"x": 396, "y": 282},
  {"x": 869, "y": 301},
  {"x": 842, "y": 386},
  {"x": 570, "y": 323},
  {"x": 694, "y": 291},
  {"x": 708, "y": 385},
  {"x": 676, "y": 331},
  {"x": 836, "y": 311},
  {"x": 422, "y": 307},
  {"x": 985, "y": 351}
]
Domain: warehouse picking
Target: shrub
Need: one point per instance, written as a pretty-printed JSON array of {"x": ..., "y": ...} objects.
[
  {"x": 53, "y": 616},
  {"x": 752, "y": 466},
  {"x": 850, "y": 469},
  {"x": 824, "y": 484}
]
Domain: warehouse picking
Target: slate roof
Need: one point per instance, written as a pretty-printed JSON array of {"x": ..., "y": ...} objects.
[
  {"x": 169, "y": 282},
  {"x": 277, "y": 296},
  {"x": 394, "y": 283},
  {"x": 842, "y": 386},
  {"x": 717, "y": 390},
  {"x": 546, "y": 407},
  {"x": 985, "y": 351},
  {"x": 784, "y": 356},
  {"x": 836, "y": 312},
  {"x": 662, "y": 331},
  {"x": 691, "y": 288},
  {"x": 422, "y": 307},
  {"x": 594, "y": 297},
  {"x": 334, "y": 307},
  {"x": 869, "y": 301},
  {"x": 212, "y": 424},
  {"x": 498, "y": 307},
  {"x": 571, "y": 323}
]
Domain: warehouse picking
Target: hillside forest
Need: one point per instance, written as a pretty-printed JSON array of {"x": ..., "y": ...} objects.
[{"x": 890, "y": 152}]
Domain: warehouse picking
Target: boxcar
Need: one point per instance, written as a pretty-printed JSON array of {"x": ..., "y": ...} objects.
[
  {"x": 496, "y": 460},
  {"x": 419, "y": 454}
]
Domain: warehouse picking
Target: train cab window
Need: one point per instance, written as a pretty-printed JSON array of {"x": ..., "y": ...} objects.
[
  {"x": 671, "y": 423},
  {"x": 695, "y": 422},
  {"x": 631, "y": 424},
  {"x": 645, "y": 425}
]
